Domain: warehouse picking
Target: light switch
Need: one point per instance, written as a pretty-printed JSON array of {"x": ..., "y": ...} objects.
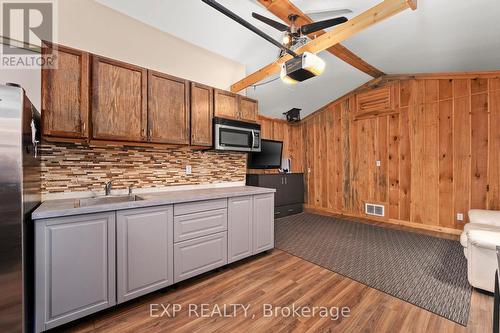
[
  {"x": 188, "y": 170},
  {"x": 379, "y": 163},
  {"x": 460, "y": 217}
]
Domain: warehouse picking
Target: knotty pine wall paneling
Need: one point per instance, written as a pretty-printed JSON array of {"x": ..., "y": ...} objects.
[
  {"x": 493, "y": 198},
  {"x": 439, "y": 152}
]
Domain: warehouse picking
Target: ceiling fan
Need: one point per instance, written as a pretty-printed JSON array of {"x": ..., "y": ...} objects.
[
  {"x": 300, "y": 67},
  {"x": 296, "y": 36}
]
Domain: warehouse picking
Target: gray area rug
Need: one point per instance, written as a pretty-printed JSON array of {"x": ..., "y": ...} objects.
[{"x": 426, "y": 271}]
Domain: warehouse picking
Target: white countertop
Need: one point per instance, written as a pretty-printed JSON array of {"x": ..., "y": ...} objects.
[{"x": 68, "y": 207}]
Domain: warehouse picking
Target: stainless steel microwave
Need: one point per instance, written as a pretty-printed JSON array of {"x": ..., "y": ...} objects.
[{"x": 236, "y": 135}]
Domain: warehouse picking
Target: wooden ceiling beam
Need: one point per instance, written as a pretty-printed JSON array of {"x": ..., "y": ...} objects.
[
  {"x": 283, "y": 8},
  {"x": 372, "y": 16}
]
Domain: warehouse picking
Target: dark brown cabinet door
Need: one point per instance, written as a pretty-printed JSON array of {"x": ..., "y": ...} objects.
[
  {"x": 65, "y": 94},
  {"x": 119, "y": 100},
  {"x": 202, "y": 112},
  {"x": 248, "y": 109},
  {"x": 226, "y": 104},
  {"x": 168, "y": 109}
]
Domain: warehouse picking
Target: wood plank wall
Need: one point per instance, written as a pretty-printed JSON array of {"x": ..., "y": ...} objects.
[{"x": 439, "y": 149}]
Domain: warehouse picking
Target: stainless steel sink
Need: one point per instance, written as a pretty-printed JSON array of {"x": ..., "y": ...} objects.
[{"x": 108, "y": 200}]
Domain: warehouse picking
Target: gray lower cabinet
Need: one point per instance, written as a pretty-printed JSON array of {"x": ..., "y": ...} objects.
[
  {"x": 75, "y": 267},
  {"x": 199, "y": 255},
  {"x": 240, "y": 228},
  {"x": 263, "y": 222},
  {"x": 86, "y": 263},
  {"x": 144, "y": 242}
]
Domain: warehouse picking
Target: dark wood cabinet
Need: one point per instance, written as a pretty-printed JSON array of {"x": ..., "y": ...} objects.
[
  {"x": 168, "y": 109},
  {"x": 289, "y": 196},
  {"x": 248, "y": 109},
  {"x": 65, "y": 94},
  {"x": 202, "y": 113},
  {"x": 226, "y": 104},
  {"x": 119, "y": 101}
]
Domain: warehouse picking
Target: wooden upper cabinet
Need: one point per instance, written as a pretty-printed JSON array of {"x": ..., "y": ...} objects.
[
  {"x": 119, "y": 100},
  {"x": 226, "y": 104},
  {"x": 202, "y": 113},
  {"x": 65, "y": 94},
  {"x": 248, "y": 109},
  {"x": 168, "y": 109}
]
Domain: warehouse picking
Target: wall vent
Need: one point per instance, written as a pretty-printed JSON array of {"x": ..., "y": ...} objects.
[{"x": 373, "y": 209}]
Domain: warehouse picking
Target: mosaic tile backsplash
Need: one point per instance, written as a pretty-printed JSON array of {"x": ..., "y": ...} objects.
[{"x": 70, "y": 167}]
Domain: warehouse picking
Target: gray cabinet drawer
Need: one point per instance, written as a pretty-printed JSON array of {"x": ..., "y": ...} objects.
[
  {"x": 194, "y": 225},
  {"x": 199, "y": 206},
  {"x": 199, "y": 255}
]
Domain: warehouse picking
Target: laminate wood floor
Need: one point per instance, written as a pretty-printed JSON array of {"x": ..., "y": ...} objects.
[{"x": 280, "y": 279}]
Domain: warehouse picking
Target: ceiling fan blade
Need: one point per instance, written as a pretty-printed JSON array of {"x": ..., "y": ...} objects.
[
  {"x": 320, "y": 15},
  {"x": 315, "y": 26},
  {"x": 272, "y": 23},
  {"x": 217, "y": 6}
]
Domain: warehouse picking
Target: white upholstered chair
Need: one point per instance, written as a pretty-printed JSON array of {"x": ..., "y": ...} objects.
[{"x": 479, "y": 239}]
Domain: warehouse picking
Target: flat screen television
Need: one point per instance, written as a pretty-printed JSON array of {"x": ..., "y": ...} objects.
[{"x": 269, "y": 156}]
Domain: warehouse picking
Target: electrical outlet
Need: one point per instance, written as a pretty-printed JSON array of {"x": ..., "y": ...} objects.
[
  {"x": 379, "y": 163},
  {"x": 460, "y": 217},
  {"x": 189, "y": 170}
]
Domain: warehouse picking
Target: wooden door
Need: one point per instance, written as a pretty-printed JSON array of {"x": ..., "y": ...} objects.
[
  {"x": 226, "y": 104},
  {"x": 119, "y": 100},
  {"x": 168, "y": 109},
  {"x": 240, "y": 225},
  {"x": 65, "y": 94},
  {"x": 75, "y": 267},
  {"x": 144, "y": 242},
  {"x": 248, "y": 109},
  {"x": 263, "y": 222},
  {"x": 202, "y": 113}
]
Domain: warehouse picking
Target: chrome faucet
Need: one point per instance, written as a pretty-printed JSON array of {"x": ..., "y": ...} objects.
[{"x": 108, "y": 187}]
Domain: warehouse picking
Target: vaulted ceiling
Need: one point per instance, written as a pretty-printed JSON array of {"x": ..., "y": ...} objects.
[{"x": 441, "y": 36}]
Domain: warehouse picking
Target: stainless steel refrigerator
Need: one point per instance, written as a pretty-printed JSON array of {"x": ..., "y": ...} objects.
[{"x": 20, "y": 194}]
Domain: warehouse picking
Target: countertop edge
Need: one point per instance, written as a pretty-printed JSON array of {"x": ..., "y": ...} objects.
[{"x": 185, "y": 196}]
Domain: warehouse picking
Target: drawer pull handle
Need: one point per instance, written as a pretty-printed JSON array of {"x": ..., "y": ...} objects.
[
  {"x": 291, "y": 210},
  {"x": 277, "y": 213}
]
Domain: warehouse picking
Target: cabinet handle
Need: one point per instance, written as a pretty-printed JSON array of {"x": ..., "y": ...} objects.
[
  {"x": 84, "y": 126},
  {"x": 290, "y": 210},
  {"x": 285, "y": 180},
  {"x": 282, "y": 181},
  {"x": 150, "y": 133}
]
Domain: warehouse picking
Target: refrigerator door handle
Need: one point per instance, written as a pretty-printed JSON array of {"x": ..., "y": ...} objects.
[{"x": 35, "y": 146}]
